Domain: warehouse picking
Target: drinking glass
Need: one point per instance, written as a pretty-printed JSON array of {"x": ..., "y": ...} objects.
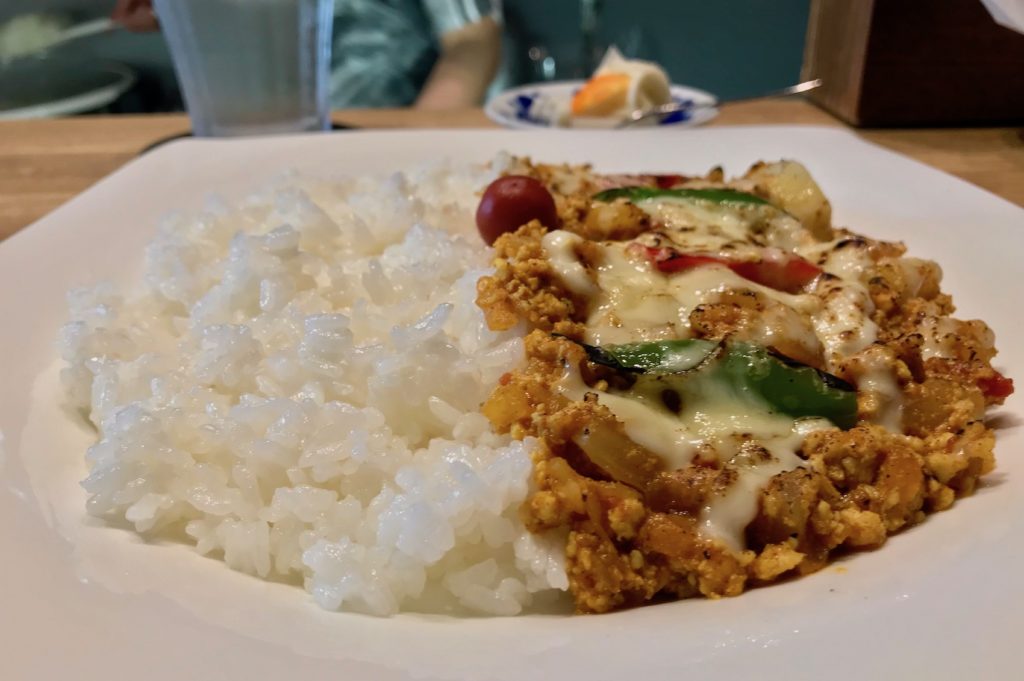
[{"x": 251, "y": 67}]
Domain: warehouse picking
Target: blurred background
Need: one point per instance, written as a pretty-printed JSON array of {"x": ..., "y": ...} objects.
[{"x": 730, "y": 47}]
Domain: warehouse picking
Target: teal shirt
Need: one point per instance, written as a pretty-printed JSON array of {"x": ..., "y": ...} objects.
[{"x": 384, "y": 50}]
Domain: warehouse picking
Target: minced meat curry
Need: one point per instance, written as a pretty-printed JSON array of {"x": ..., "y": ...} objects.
[{"x": 726, "y": 388}]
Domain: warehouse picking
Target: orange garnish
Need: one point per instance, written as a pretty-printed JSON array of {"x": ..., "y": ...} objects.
[{"x": 601, "y": 95}]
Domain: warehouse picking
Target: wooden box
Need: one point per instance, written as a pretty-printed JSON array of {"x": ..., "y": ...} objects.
[{"x": 914, "y": 62}]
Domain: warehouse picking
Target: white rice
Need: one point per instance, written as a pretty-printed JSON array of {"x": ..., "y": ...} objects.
[{"x": 297, "y": 391}]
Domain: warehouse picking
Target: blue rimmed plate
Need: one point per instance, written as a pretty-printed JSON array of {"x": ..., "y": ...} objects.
[{"x": 537, "y": 106}]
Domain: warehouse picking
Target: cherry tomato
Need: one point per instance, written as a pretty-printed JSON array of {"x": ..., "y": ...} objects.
[{"x": 512, "y": 201}]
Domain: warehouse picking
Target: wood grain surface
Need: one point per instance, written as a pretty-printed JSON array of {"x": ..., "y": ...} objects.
[
  {"x": 907, "y": 62},
  {"x": 43, "y": 163}
]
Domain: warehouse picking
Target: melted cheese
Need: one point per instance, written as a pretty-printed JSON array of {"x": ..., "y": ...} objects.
[
  {"x": 658, "y": 431},
  {"x": 874, "y": 374},
  {"x": 714, "y": 419},
  {"x": 726, "y": 517},
  {"x": 845, "y": 327},
  {"x": 560, "y": 249},
  {"x": 915, "y": 272},
  {"x": 714, "y": 226},
  {"x": 629, "y": 301},
  {"x": 940, "y": 337},
  {"x": 881, "y": 382},
  {"x": 848, "y": 259},
  {"x": 636, "y": 302},
  {"x": 843, "y": 323}
]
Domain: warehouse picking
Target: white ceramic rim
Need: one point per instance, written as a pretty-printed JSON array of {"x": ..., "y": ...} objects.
[
  {"x": 943, "y": 600},
  {"x": 87, "y": 101}
]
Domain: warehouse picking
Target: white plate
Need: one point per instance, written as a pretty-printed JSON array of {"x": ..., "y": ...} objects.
[
  {"x": 535, "y": 107},
  {"x": 50, "y": 85},
  {"x": 944, "y": 600}
]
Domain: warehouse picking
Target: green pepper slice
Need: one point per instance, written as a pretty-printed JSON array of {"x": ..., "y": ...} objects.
[
  {"x": 785, "y": 385},
  {"x": 790, "y": 387},
  {"x": 714, "y": 195},
  {"x": 669, "y": 356}
]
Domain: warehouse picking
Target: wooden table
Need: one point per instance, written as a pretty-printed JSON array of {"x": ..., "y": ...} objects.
[{"x": 44, "y": 163}]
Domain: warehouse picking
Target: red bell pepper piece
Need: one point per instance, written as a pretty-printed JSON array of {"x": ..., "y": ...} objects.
[
  {"x": 776, "y": 269},
  {"x": 996, "y": 386},
  {"x": 667, "y": 181}
]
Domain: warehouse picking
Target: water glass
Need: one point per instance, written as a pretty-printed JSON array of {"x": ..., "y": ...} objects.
[{"x": 251, "y": 67}]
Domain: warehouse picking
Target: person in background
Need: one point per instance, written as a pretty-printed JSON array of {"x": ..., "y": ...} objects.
[{"x": 432, "y": 54}]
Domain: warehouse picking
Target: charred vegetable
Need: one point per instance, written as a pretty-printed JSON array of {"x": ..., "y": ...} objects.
[
  {"x": 777, "y": 269},
  {"x": 784, "y": 384},
  {"x": 669, "y": 356},
  {"x": 713, "y": 195}
]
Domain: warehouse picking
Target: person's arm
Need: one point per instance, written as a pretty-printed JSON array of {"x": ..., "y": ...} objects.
[
  {"x": 135, "y": 15},
  {"x": 469, "y": 59}
]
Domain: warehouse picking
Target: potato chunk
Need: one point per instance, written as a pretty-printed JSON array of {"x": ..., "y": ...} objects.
[{"x": 790, "y": 186}]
